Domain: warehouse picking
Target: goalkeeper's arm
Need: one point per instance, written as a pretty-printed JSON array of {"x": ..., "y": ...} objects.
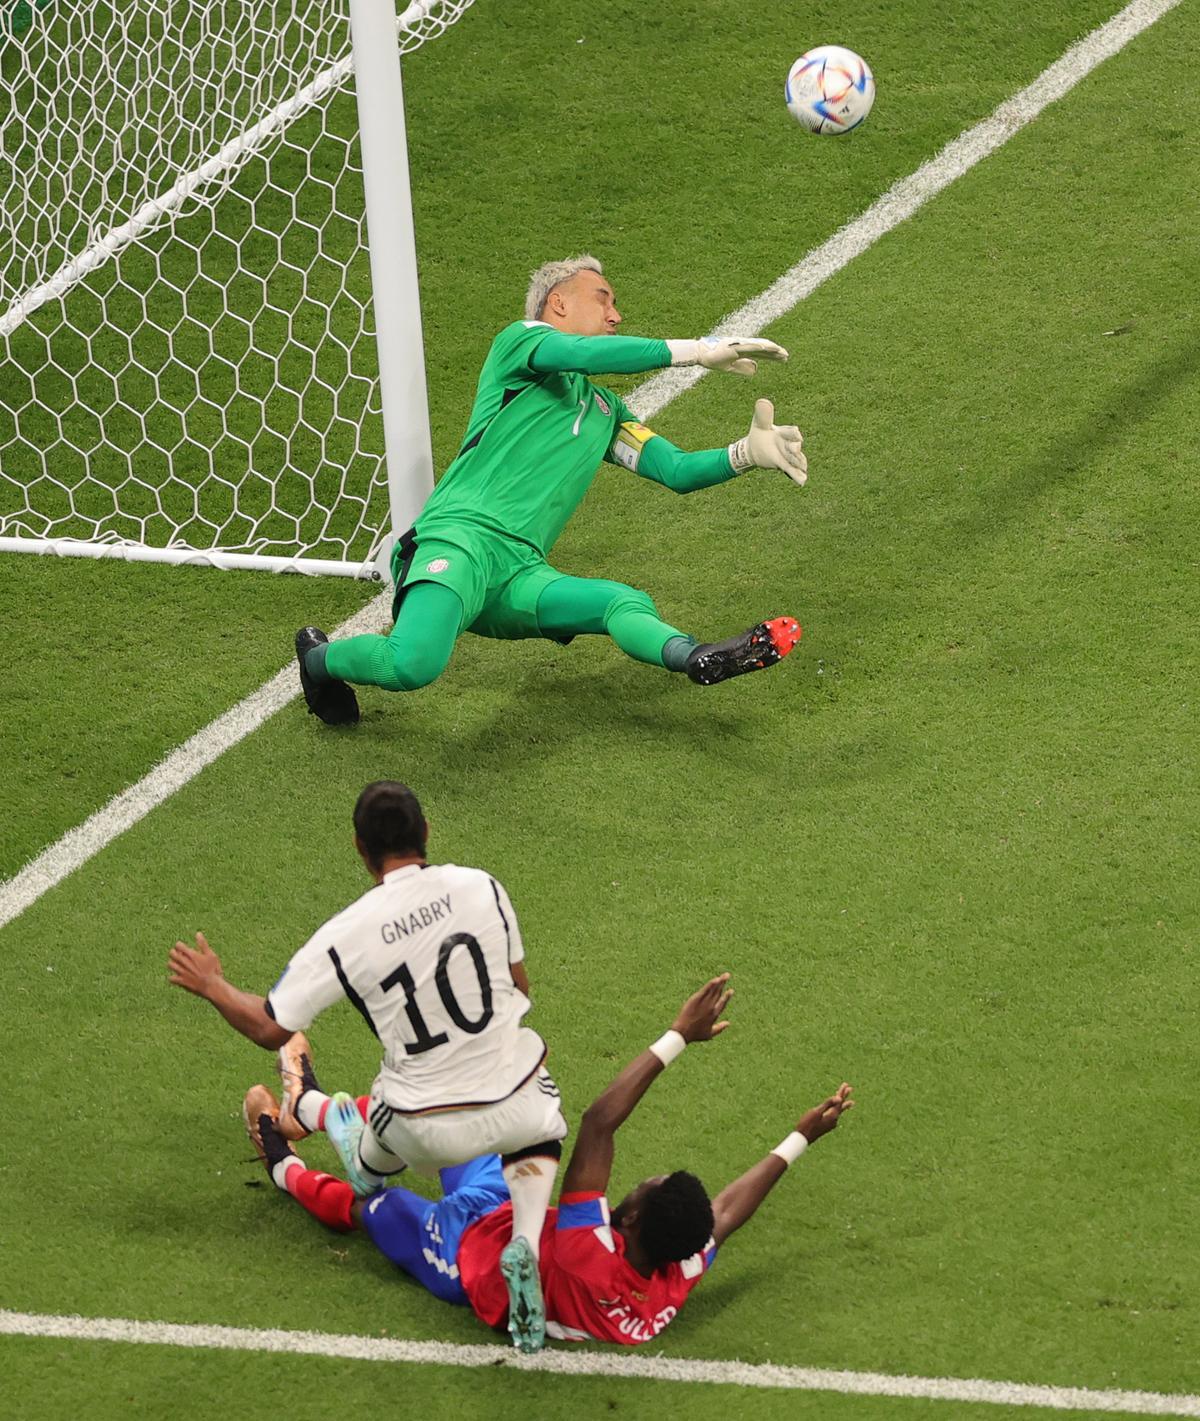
[
  {"x": 767, "y": 445},
  {"x": 558, "y": 351}
]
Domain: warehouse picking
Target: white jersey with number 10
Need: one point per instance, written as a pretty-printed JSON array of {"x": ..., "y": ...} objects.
[{"x": 425, "y": 957}]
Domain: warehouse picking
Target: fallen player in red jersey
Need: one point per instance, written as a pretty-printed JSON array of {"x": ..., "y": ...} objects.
[{"x": 617, "y": 1275}]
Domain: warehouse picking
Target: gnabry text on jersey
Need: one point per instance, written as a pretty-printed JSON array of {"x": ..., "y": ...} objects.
[{"x": 423, "y": 917}]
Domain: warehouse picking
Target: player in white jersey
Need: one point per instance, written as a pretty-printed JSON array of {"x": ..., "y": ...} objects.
[{"x": 432, "y": 959}]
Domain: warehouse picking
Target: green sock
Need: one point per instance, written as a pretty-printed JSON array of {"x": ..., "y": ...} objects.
[
  {"x": 677, "y": 651},
  {"x": 314, "y": 662},
  {"x": 635, "y": 626}
]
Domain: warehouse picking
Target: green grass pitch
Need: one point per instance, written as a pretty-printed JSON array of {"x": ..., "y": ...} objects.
[{"x": 948, "y": 849}]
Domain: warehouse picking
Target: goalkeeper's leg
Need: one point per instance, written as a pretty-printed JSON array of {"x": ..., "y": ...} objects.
[
  {"x": 413, "y": 654},
  {"x": 579, "y": 606},
  {"x": 590, "y": 606},
  {"x": 416, "y": 650}
]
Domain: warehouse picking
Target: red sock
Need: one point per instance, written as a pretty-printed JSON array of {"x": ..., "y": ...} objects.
[{"x": 325, "y": 1197}]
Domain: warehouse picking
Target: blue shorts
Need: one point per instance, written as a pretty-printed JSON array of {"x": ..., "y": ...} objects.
[{"x": 422, "y": 1237}]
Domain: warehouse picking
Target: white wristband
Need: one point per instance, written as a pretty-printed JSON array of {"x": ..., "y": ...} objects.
[
  {"x": 740, "y": 456},
  {"x": 684, "y": 352},
  {"x": 790, "y": 1150},
  {"x": 668, "y": 1046}
]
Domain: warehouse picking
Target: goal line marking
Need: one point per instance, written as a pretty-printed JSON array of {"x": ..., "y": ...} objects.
[
  {"x": 900, "y": 202},
  {"x": 612, "y": 1365}
]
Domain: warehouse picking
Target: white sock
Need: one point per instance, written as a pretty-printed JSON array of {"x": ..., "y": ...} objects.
[
  {"x": 308, "y": 1109},
  {"x": 530, "y": 1182},
  {"x": 279, "y": 1172}
]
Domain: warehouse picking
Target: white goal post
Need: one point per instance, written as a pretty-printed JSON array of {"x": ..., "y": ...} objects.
[{"x": 202, "y": 357}]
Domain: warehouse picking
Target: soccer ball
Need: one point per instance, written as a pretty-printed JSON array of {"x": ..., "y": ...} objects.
[{"x": 830, "y": 89}]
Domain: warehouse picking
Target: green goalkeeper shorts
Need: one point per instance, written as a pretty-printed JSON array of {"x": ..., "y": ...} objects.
[{"x": 498, "y": 580}]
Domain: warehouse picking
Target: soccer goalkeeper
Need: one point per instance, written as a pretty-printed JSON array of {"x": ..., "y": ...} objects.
[{"x": 476, "y": 558}]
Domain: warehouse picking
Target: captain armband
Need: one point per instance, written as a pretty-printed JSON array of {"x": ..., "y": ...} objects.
[{"x": 631, "y": 438}]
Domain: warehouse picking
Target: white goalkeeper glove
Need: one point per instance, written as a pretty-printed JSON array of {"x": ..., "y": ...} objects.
[
  {"x": 771, "y": 446},
  {"x": 731, "y": 353}
]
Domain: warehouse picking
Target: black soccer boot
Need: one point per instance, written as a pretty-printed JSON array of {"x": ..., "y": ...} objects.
[
  {"x": 761, "y": 646},
  {"x": 334, "y": 702}
]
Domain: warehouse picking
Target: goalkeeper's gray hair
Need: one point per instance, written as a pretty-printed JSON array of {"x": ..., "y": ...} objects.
[{"x": 552, "y": 274}]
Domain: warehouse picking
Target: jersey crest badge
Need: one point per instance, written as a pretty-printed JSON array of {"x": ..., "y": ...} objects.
[
  {"x": 437, "y": 565},
  {"x": 601, "y": 401}
]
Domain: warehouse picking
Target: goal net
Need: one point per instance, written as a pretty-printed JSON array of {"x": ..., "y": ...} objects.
[{"x": 188, "y": 361}]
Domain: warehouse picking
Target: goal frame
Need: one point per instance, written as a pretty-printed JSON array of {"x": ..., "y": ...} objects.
[{"x": 374, "y": 61}]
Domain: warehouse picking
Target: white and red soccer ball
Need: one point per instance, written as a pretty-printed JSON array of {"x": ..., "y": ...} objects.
[{"x": 830, "y": 89}]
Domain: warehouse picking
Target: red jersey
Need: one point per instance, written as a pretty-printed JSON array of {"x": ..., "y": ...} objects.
[{"x": 590, "y": 1291}]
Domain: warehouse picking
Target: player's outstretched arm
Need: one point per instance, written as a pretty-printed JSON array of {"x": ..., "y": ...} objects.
[
  {"x": 198, "y": 970},
  {"x": 559, "y": 351},
  {"x": 738, "y": 1201},
  {"x": 767, "y": 446},
  {"x": 699, "y": 1019},
  {"x": 737, "y": 354}
]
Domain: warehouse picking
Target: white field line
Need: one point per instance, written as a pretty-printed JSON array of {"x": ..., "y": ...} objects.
[
  {"x": 900, "y": 201},
  {"x": 184, "y": 763},
  {"x": 910, "y": 194},
  {"x": 613, "y": 1365}
]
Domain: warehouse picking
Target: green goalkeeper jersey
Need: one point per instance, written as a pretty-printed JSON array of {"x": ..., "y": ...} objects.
[{"x": 537, "y": 435}]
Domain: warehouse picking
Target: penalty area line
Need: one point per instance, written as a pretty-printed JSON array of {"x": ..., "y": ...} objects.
[
  {"x": 901, "y": 201},
  {"x": 623, "y": 1365}
]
